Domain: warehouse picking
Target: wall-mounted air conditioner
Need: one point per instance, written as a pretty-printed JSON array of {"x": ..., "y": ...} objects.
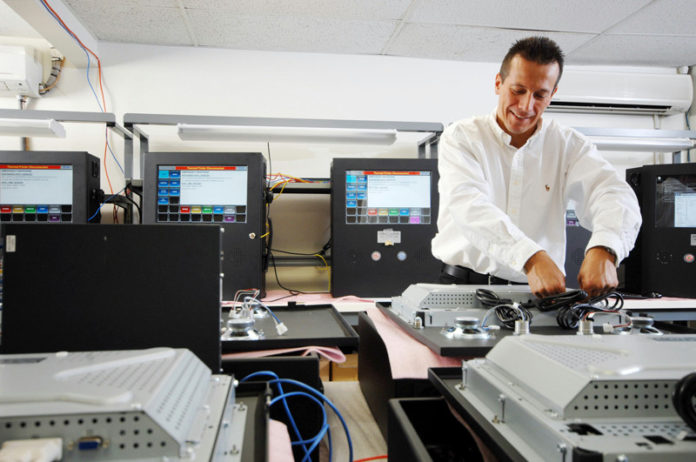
[
  {"x": 20, "y": 71},
  {"x": 623, "y": 93}
]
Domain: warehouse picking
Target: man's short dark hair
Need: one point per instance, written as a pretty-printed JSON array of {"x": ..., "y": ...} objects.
[{"x": 540, "y": 50}]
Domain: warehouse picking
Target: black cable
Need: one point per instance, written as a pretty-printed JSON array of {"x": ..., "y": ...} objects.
[
  {"x": 275, "y": 270},
  {"x": 506, "y": 313},
  {"x": 556, "y": 301},
  {"x": 683, "y": 399},
  {"x": 568, "y": 316}
]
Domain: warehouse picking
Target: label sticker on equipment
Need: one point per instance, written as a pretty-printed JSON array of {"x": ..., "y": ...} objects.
[
  {"x": 10, "y": 243},
  {"x": 388, "y": 237},
  {"x": 693, "y": 239}
]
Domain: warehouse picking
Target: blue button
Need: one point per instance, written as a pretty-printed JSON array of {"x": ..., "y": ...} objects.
[
  {"x": 175, "y": 183},
  {"x": 350, "y": 187},
  {"x": 218, "y": 209},
  {"x": 164, "y": 174},
  {"x": 362, "y": 196},
  {"x": 163, "y": 184},
  {"x": 351, "y": 203},
  {"x": 350, "y": 195},
  {"x": 350, "y": 179},
  {"x": 163, "y": 201},
  {"x": 163, "y": 192},
  {"x": 362, "y": 187},
  {"x": 174, "y": 174},
  {"x": 42, "y": 209},
  {"x": 362, "y": 179},
  {"x": 173, "y": 192},
  {"x": 403, "y": 212}
]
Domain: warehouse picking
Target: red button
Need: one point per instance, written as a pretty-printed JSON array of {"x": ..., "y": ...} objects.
[
  {"x": 5, "y": 209},
  {"x": 184, "y": 210}
]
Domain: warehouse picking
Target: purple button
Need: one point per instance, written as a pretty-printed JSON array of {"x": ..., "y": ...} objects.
[
  {"x": 415, "y": 220},
  {"x": 54, "y": 218},
  {"x": 229, "y": 218}
]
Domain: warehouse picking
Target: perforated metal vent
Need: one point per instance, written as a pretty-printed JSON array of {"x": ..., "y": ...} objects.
[
  {"x": 668, "y": 430},
  {"x": 572, "y": 356},
  {"x": 177, "y": 403},
  {"x": 624, "y": 399},
  {"x": 448, "y": 300},
  {"x": 674, "y": 338},
  {"x": 135, "y": 377}
]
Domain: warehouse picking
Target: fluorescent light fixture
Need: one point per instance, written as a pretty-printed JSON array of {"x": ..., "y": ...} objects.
[
  {"x": 285, "y": 134},
  {"x": 32, "y": 128},
  {"x": 642, "y": 144}
]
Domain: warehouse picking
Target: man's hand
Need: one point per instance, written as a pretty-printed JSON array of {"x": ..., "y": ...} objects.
[
  {"x": 544, "y": 277},
  {"x": 597, "y": 274}
]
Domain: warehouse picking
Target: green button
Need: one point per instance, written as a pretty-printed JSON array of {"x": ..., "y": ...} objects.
[
  {"x": 30, "y": 210},
  {"x": 393, "y": 212},
  {"x": 207, "y": 210}
]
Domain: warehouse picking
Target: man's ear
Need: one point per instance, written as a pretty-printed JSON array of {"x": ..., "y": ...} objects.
[{"x": 498, "y": 83}]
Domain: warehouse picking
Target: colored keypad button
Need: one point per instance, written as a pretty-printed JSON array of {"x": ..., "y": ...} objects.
[
  {"x": 362, "y": 196},
  {"x": 175, "y": 183},
  {"x": 362, "y": 187},
  {"x": 5, "y": 209},
  {"x": 218, "y": 210},
  {"x": 207, "y": 210},
  {"x": 164, "y": 174},
  {"x": 161, "y": 201},
  {"x": 174, "y": 174},
  {"x": 362, "y": 179},
  {"x": 18, "y": 210},
  {"x": 372, "y": 211},
  {"x": 350, "y": 195},
  {"x": 42, "y": 209},
  {"x": 163, "y": 184},
  {"x": 393, "y": 212},
  {"x": 229, "y": 218},
  {"x": 195, "y": 210},
  {"x": 54, "y": 218},
  {"x": 414, "y": 220},
  {"x": 184, "y": 209},
  {"x": 30, "y": 210},
  {"x": 351, "y": 203},
  {"x": 351, "y": 187},
  {"x": 173, "y": 192},
  {"x": 163, "y": 192},
  {"x": 403, "y": 212},
  {"x": 383, "y": 212},
  {"x": 351, "y": 179}
]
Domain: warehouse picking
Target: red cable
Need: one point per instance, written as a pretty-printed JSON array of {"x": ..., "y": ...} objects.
[{"x": 371, "y": 458}]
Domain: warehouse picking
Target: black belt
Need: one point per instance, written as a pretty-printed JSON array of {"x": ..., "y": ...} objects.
[{"x": 469, "y": 276}]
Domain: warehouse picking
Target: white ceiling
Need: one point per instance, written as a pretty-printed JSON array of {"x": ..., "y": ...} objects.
[{"x": 615, "y": 32}]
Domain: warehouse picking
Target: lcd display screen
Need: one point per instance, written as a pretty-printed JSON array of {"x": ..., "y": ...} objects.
[
  {"x": 36, "y": 193},
  {"x": 199, "y": 193},
  {"x": 388, "y": 197}
]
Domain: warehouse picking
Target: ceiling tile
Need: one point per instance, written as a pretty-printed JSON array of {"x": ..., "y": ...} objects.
[
  {"x": 126, "y": 22},
  {"x": 641, "y": 50},
  {"x": 542, "y": 15},
  {"x": 290, "y": 34},
  {"x": 367, "y": 10},
  {"x": 662, "y": 17},
  {"x": 468, "y": 43}
]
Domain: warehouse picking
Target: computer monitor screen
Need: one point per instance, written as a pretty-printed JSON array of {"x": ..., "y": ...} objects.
[
  {"x": 200, "y": 193},
  {"x": 388, "y": 197},
  {"x": 675, "y": 201},
  {"x": 36, "y": 192}
]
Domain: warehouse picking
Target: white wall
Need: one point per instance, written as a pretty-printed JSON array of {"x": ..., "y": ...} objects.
[{"x": 207, "y": 81}]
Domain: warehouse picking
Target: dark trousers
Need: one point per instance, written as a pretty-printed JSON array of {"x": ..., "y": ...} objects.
[{"x": 451, "y": 274}]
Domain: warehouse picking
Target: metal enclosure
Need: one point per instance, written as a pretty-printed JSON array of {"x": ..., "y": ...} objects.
[
  {"x": 380, "y": 259},
  {"x": 242, "y": 244}
]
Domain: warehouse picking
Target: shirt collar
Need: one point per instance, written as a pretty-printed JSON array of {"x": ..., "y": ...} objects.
[{"x": 505, "y": 138}]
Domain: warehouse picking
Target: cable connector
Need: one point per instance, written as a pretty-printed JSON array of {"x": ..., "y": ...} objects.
[
  {"x": 281, "y": 328},
  {"x": 36, "y": 450}
]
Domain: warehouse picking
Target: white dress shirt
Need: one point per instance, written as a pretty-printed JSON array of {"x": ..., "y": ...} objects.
[{"x": 499, "y": 205}]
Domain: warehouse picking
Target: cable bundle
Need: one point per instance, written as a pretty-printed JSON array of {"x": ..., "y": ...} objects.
[
  {"x": 569, "y": 316},
  {"x": 505, "y": 309}
]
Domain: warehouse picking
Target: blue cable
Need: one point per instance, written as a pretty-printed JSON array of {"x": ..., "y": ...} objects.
[
  {"x": 43, "y": 3},
  {"x": 104, "y": 203},
  {"x": 331, "y": 405},
  {"x": 248, "y": 299},
  {"x": 114, "y": 157},
  {"x": 272, "y": 374},
  {"x": 324, "y": 426}
]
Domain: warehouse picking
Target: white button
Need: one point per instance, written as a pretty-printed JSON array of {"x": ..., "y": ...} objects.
[
  {"x": 376, "y": 255},
  {"x": 401, "y": 256}
]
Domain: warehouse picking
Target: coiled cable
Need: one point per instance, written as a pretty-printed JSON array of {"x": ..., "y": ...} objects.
[{"x": 683, "y": 399}]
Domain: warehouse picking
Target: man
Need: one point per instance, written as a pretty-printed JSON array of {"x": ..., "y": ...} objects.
[{"x": 506, "y": 180}]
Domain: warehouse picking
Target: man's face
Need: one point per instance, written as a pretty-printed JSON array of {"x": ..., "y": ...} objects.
[{"x": 523, "y": 96}]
